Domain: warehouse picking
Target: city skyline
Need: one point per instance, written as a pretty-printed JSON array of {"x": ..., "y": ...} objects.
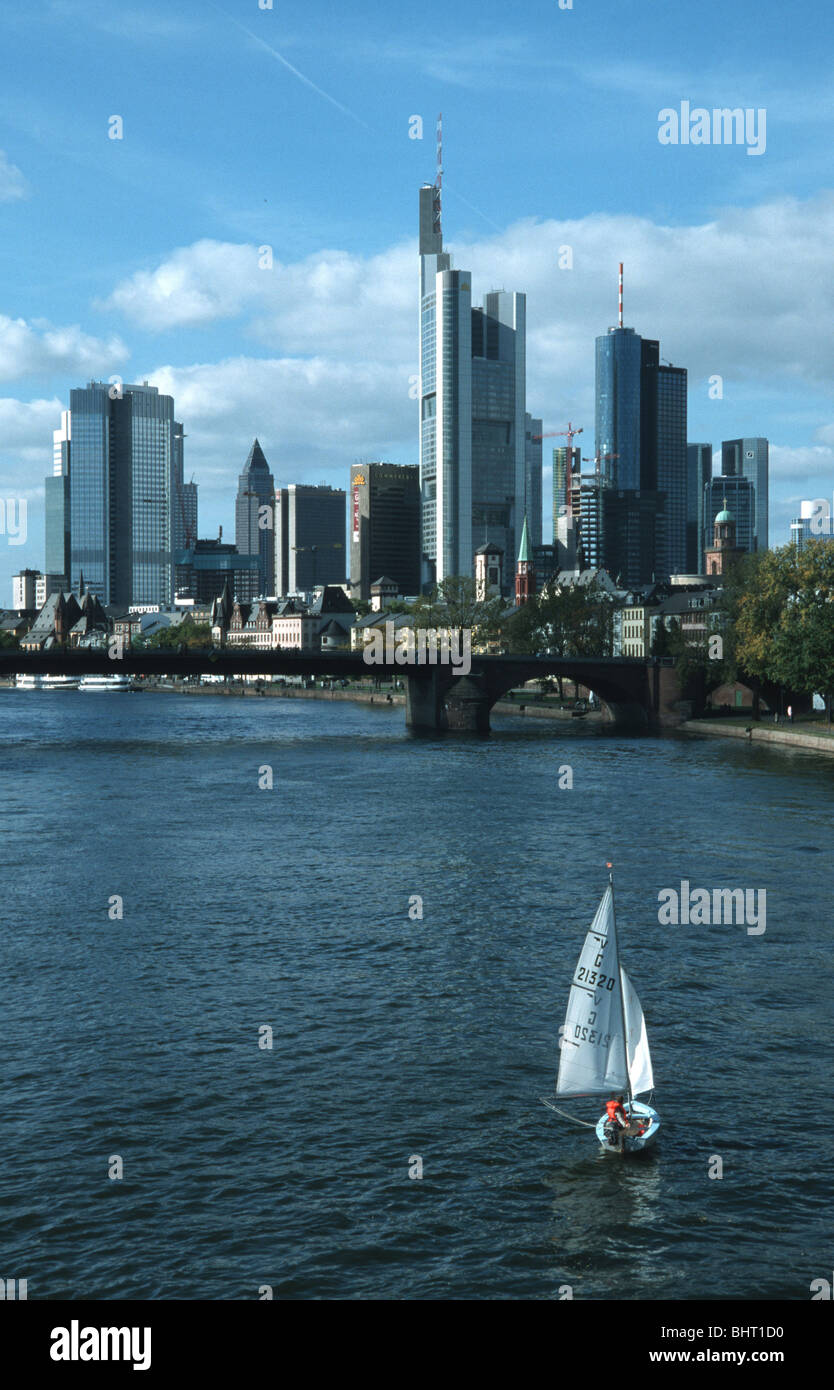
[{"x": 316, "y": 355}]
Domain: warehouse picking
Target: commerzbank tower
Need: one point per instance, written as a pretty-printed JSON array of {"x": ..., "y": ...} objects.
[{"x": 480, "y": 466}]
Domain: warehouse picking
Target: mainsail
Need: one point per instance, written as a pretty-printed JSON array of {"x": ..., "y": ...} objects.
[
  {"x": 592, "y": 1059},
  {"x": 639, "y": 1057}
]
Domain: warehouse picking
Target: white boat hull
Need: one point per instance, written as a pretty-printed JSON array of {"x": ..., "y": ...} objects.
[{"x": 631, "y": 1143}]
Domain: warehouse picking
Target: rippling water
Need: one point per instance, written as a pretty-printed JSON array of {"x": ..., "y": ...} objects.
[{"x": 392, "y": 1038}]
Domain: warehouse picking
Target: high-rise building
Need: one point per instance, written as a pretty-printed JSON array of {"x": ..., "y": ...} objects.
[
  {"x": 309, "y": 538},
  {"x": 124, "y": 453},
  {"x": 384, "y": 527},
  {"x": 671, "y": 468},
  {"x": 473, "y": 458},
  {"x": 640, "y": 430},
  {"x": 738, "y": 494},
  {"x": 532, "y": 504},
  {"x": 57, "y": 506},
  {"x": 24, "y": 589},
  {"x": 698, "y": 474},
  {"x": 560, "y": 481},
  {"x": 254, "y": 523},
  {"x": 749, "y": 458}
]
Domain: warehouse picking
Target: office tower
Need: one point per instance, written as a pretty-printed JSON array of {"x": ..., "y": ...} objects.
[
  {"x": 634, "y": 535},
  {"x": 309, "y": 538},
  {"x": 532, "y": 503},
  {"x": 57, "y": 507},
  {"x": 472, "y": 410},
  {"x": 254, "y": 522},
  {"x": 384, "y": 527},
  {"x": 125, "y": 472},
  {"x": 748, "y": 458},
  {"x": 698, "y": 474},
  {"x": 671, "y": 468},
  {"x": 640, "y": 431},
  {"x": 207, "y": 565},
  {"x": 736, "y": 493}
]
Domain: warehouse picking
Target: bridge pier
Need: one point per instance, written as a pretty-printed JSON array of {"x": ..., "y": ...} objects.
[
  {"x": 468, "y": 706},
  {"x": 424, "y": 699}
]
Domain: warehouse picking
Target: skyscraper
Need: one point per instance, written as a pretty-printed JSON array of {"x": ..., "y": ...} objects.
[
  {"x": 57, "y": 507},
  {"x": 384, "y": 527},
  {"x": 473, "y": 457},
  {"x": 532, "y": 503},
  {"x": 640, "y": 429},
  {"x": 698, "y": 474},
  {"x": 125, "y": 478},
  {"x": 309, "y": 538},
  {"x": 254, "y": 523},
  {"x": 736, "y": 493},
  {"x": 749, "y": 458}
]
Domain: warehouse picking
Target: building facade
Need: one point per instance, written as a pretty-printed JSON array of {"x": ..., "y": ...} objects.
[
  {"x": 384, "y": 524},
  {"x": 309, "y": 537},
  {"x": 738, "y": 494}
]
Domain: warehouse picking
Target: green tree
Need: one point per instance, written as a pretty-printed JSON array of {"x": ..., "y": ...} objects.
[{"x": 189, "y": 634}]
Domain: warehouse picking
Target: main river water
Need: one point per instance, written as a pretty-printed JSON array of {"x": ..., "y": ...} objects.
[{"x": 132, "y": 1043}]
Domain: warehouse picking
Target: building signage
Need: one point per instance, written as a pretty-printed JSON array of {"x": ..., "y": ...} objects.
[{"x": 355, "y": 513}]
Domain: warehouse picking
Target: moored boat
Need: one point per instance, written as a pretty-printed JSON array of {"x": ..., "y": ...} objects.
[
  {"x": 105, "y": 683},
  {"x": 60, "y": 682},
  {"x": 24, "y": 681}
]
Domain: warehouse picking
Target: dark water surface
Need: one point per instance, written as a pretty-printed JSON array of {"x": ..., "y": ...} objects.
[{"x": 392, "y": 1038}]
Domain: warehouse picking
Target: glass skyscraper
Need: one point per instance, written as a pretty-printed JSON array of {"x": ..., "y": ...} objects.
[
  {"x": 698, "y": 474},
  {"x": 474, "y": 463},
  {"x": 125, "y": 483},
  {"x": 640, "y": 432},
  {"x": 749, "y": 458}
]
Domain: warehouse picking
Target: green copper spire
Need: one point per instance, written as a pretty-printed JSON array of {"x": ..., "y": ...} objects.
[{"x": 524, "y": 548}]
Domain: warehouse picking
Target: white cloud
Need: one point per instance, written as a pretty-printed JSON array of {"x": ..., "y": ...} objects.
[
  {"x": 747, "y": 295},
  {"x": 37, "y": 347},
  {"x": 12, "y": 183}
]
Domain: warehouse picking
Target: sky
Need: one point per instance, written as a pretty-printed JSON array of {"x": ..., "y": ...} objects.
[{"x": 252, "y": 133}]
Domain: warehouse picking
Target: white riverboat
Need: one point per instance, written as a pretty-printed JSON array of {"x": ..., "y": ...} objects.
[
  {"x": 27, "y": 682},
  {"x": 59, "y": 682},
  {"x": 105, "y": 683}
]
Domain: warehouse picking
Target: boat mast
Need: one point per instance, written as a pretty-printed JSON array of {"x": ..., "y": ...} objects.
[{"x": 610, "y": 867}]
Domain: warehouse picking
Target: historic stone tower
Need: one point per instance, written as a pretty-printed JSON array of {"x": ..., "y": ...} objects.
[
  {"x": 724, "y": 551},
  {"x": 525, "y": 578}
]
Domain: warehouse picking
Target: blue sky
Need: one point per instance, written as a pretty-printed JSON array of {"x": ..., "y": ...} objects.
[{"x": 247, "y": 127}]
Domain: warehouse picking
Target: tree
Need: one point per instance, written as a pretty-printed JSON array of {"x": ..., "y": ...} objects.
[
  {"x": 454, "y": 602},
  {"x": 9, "y": 641},
  {"x": 187, "y": 633}
]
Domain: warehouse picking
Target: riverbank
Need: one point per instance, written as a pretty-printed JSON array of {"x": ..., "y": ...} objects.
[{"x": 791, "y": 737}]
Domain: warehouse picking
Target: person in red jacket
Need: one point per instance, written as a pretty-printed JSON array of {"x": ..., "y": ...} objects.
[{"x": 617, "y": 1119}]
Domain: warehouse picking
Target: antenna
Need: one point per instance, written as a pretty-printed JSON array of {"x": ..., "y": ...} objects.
[
  {"x": 439, "y": 180},
  {"x": 620, "y": 324}
]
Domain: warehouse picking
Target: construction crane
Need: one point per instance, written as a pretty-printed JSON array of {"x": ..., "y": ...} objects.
[{"x": 598, "y": 459}]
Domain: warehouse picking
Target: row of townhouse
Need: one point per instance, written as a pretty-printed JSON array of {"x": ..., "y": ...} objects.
[{"x": 693, "y": 609}]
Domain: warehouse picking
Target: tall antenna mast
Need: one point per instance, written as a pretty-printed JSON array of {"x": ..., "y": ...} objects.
[
  {"x": 438, "y": 183},
  {"x": 620, "y": 321}
]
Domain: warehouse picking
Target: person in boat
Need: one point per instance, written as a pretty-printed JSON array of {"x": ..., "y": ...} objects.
[{"x": 617, "y": 1119}]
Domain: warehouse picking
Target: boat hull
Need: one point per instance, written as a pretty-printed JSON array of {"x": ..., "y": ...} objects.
[{"x": 632, "y": 1143}]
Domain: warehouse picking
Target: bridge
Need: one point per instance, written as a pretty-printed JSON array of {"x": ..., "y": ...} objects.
[{"x": 636, "y": 693}]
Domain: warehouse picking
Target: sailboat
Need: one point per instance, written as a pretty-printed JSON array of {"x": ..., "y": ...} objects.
[{"x": 604, "y": 1045}]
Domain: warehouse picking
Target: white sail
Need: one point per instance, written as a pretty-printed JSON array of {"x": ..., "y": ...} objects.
[
  {"x": 592, "y": 1059},
  {"x": 639, "y": 1057}
]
